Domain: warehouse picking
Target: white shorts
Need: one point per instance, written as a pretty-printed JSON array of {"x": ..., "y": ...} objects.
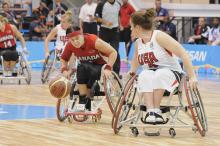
[{"x": 148, "y": 80}]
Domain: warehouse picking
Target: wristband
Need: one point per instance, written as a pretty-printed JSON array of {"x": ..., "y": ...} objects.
[
  {"x": 108, "y": 67},
  {"x": 64, "y": 69}
]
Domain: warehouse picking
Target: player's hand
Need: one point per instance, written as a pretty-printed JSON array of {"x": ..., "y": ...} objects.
[
  {"x": 26, "y": 52},
  {"x": 129, "y": 75},
  {"x": 109, "y": 24},
  {"x": 67, "y": 74},
  {"x": 193, "y": 83},
  {"x": 47, "y": 54}
]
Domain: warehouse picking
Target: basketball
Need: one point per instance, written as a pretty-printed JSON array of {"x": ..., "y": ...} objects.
[{"x": 59, "y": 87}]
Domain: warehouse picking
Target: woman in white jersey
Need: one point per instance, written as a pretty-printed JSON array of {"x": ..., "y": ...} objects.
[
  {"x": 155, "y": 51},
  {"x": 60, "y": 32}
]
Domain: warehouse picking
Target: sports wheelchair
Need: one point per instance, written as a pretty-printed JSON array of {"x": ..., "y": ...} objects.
[
  {"x": 130, "y": 110},
  {"x": 51, "y": 64},
  {"x": 105, "y": 88},
  {"x": 22, "y": 70}
]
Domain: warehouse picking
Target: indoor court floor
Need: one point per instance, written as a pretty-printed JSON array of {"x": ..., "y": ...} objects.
[{"x": 28, "y": 118}]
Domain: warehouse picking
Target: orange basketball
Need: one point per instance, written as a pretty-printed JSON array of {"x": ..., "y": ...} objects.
[{"x": 59, "y": 87}]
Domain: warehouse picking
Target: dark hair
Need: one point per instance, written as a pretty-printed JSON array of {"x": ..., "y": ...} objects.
[{"x": 144, "y": 18}]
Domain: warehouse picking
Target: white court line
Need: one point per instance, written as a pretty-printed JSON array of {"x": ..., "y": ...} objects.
[{"x": 3, "y": 112}]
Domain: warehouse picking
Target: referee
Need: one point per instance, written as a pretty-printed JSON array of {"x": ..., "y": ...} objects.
[{"x": 107, "y": 14}]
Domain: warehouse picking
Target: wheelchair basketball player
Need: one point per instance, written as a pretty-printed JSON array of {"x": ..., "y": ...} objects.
[
  {"x": 89, "y": 51},
  {"x": 60, "y": 32},
  {"x": 156, "y": 52},
  {"x": 8, "y": 35}
]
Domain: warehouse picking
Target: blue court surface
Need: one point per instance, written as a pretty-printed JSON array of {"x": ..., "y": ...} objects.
[
  {"x": 23, "y": 112},
  {"x": 19, "y": 112}
]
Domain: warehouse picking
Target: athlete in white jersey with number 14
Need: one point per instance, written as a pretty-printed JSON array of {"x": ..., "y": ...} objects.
[
  {"x": 155, "y": 51},
  {"x": 60, "y": 32}
]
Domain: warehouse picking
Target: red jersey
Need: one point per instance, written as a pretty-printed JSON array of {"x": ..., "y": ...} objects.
[
  {"x": 125, "y": 14},
  {"x": 86, "y": 53},
  {"x": 7, "y": 38}
]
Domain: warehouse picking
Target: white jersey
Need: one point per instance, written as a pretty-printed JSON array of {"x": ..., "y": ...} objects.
[
  {"x": 61, "y": 38},
  {"x": 152, "y": 56}
]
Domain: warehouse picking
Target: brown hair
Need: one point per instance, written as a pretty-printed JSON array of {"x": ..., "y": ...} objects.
[{"x": 144, "y": 18}]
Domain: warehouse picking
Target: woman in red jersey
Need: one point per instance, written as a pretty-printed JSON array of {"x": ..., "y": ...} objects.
[
  {"x": 8, "y": 35},
  {"x": 90, "y": 51}
]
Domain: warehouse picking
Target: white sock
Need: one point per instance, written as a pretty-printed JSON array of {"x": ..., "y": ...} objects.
[
  {"x": 157, "y": 110},
  {"x": 150, "y": 110}
]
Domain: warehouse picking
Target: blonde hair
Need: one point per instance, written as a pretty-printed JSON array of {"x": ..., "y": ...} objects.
[
  {"x": 3, "y": 19},
  {"x": 68, "y": 16}
]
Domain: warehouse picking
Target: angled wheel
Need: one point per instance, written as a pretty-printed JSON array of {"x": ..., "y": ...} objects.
[
  {"x": 125, "y": 104},
  {"x": 74, "y": 98},
  {"x": 47, "y": 66},
  {"x": 25, "y": 69},
  {"x": 113, "y": 90},
  {"x": 61, "y": 109},
  {"x": 64, "y": 103},
  {"x": 196, "y": 108}
]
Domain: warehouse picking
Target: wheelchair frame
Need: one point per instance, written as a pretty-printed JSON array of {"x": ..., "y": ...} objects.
[
  {"x": 96, "y": 112},
  {"x": 48, "y": 67},
  {"x": 124, "y": 117},
  {"x": 23, "y": 70}
]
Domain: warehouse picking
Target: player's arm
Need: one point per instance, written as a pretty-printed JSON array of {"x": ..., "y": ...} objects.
[
  {"x": 173, "y": 46},
  {"x": 65, "y": 57},
  {"x": 134, "y": 62},
  {"x": 50, "y": 36},
  {"x": 19, "y": 36},
  {"x": 106, "y": 49}
]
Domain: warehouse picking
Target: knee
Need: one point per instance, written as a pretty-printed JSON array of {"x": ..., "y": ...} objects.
[{"x": 10, "y": 55}]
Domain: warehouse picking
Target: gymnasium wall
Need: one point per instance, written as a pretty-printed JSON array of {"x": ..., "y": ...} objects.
[{"x": 205, "y": 58}]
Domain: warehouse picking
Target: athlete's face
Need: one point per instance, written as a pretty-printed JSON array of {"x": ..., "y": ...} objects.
[
  {"x": 77, "y": 41},
  {"x": 65, "y": 25}
]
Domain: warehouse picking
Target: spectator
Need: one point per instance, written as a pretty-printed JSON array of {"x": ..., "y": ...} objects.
[
  {"x": 9, "y": 14},
  {"x": 36, "y": 29},
  {"x": 60, "y": 9},
  {"x": 201, "y": 32},
  {"x": 161, "y": 13},
  {"x": 125, "y": 28},
  {"x": 214, "y": 33},
  {"x": 168, "y": 27},
  {"x": 107, "y": 13},
  {"x": 43, "y": 10},
  {"x": 87, "y": 20}
]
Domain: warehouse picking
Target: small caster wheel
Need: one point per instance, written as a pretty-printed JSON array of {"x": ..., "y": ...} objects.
[
  {"x": 172, "y": 132},
  {"x": 194, "y": 129},
  {"x": 134, "y": 131},
  {"x": 94, "y": 119},
  {"x": 186, "y": 109},
  {"x": 70, "y": 119}
]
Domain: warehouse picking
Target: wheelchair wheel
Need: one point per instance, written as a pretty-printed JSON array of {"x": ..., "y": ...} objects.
[
  {"x": 47, "y": 66},
  {"x": 113, "y": 90},
  {"x": 196, "y": 108},
  {"x": 25, "y": 69},
  {"x": 74, "y": 96},
  {"x": 61, "y": 109},
  {"x": 125, "y": 104}
]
